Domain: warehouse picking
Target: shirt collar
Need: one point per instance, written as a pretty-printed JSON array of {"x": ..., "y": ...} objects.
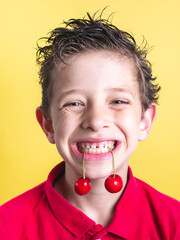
[
  {"x": 70, "y": 217},
  {"x": 78, "y": 223}
]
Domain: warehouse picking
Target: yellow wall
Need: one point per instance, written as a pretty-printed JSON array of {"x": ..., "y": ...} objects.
[{"x": 26, "y": 156}]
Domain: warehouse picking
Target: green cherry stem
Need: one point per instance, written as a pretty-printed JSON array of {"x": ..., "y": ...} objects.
[
  {"x": 83, "y": 167},
  {"x": 113, "y": 160},
  {"x": 83, "y": 185}
]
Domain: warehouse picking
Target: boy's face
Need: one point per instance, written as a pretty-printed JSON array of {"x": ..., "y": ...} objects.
[{"x": 96, "y": 104}]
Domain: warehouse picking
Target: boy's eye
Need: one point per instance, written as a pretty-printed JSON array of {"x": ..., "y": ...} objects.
[
  {"x": 120, "y": 102},
  {"x": 74, "y": 106}
]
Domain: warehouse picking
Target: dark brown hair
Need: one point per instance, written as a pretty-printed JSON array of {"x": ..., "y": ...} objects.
[{"x": 93, "y": 33}]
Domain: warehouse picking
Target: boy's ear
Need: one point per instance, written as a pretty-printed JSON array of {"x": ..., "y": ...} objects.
[
  {"x": 45, "y": 124},
  {"x": 147, "y": 122}
]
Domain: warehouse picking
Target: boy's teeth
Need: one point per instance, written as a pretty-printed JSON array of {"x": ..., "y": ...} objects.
[{"x": 96, "y": 147}]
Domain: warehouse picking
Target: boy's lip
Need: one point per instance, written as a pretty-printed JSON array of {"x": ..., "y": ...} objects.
[{"x": 95, "y": 141}]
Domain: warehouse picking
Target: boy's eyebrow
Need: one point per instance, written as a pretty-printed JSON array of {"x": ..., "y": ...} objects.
[
  {"x": 123, "y": 89},
  {"x": 70, "y": 92}
]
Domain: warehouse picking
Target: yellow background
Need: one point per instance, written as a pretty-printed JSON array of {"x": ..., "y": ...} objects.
[{"x": 26, "y": 156}]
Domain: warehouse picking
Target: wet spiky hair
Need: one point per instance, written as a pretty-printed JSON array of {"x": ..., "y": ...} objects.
[{"x": 93, "y": 33}]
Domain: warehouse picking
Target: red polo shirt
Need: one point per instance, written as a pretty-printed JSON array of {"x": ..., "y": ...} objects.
[{"x": 43, "y": 214}]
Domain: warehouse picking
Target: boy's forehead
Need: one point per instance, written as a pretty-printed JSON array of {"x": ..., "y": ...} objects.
[
  {"x": 85, "y": 67},
  {"x": 87, "y": 59}
]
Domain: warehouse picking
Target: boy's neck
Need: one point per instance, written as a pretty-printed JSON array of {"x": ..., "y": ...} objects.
[{"x": 98, "y": 204}]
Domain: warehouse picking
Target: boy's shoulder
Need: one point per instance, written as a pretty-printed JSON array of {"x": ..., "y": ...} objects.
[
  {"x": 35, "y": 198},
  {"x": 20, "y": 216},
  {"x": 151, "y": 191},
  {"x": 153, "y": 213},
  {"x": 26, "y": 200},
  {"x": 157, "y": 201}
]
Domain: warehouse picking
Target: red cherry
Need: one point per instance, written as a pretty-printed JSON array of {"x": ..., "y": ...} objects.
[
  {"x": 82, "y": 186},
  {"x": 113, "y": 183}
]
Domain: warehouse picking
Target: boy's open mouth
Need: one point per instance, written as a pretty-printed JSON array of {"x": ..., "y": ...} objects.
[{"x": 95, "y": 148}]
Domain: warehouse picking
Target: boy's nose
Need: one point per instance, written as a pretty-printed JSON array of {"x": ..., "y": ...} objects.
[{"x": 95, "y": 119}]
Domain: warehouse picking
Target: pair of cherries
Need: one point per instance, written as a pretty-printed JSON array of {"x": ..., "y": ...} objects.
[{"x": 113, "y": 183}]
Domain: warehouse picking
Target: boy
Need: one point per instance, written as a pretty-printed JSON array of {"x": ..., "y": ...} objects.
[{"x": 98, "y": 95}]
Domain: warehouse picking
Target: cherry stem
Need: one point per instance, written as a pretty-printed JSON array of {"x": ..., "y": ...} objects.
[
  {"x": 113, "y": 160},
  {"x": 83, "y": 167}
]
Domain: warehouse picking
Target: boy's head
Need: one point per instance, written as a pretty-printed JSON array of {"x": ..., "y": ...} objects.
[
  {"x": 80, "y": 35},
  {"x": 96, "y": 83}
]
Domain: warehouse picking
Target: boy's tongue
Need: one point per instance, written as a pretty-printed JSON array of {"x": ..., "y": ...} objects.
[{"x": 95, "y": 148}]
